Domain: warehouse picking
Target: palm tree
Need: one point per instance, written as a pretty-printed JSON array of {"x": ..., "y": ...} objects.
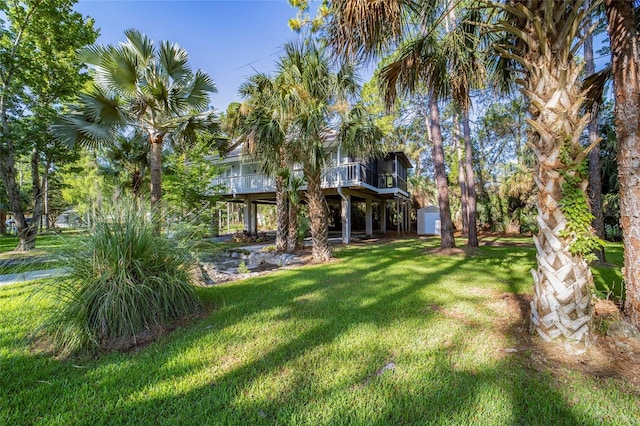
[
  {"x": 625, "y": 47},
  {"x": 449, "y": 67},
  {"x": 320, "y": 117},
  {"x": 544, "y": 42},
  {"x": 262, "y": 126},
  {"x": 147, "y": 87}
]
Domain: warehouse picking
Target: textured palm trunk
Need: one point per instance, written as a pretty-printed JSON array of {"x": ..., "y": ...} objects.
[
  {"x": 282, "y": 207},
  {"x": 292, "y": 234},
  {"x": 470, "y": 183},
  {"x": 462, "y": 182},
  {"x": 561, "y": 305},
  {"x": 318, "y": 218},
  {"x": 446, "y": 224},
  {"x": 155, "y": 163},
  {"x": 625, "y": 52},
  {"x": 595, "y": 179}
]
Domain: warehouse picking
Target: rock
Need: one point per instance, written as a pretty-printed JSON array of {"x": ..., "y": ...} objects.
[
  {"x": 623, "y": 345},
  {"x": 623, "y": 330}
]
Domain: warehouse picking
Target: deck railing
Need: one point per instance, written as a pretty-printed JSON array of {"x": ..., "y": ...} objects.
[{"x": 349, "y": 174}]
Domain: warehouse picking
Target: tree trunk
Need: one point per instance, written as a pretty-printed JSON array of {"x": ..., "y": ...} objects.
[
  {"x": 292, "y": 235},
  {"x": 561, "y": 305},
  {"x": 471, "y": 181},
  {"x": 282, "y": 207},
  {"x": 155, "y": 163},
  {"x": 595, "y": 180},
  {"x": 318, "y": 218},
  {"x": 32, "y": 230},
  {"x": 7, "y": 170},
  {"x": 625, "y": 54},
  {"x": 462, "y": 182},
  {"x": 446, "y": 225},
  {"x": 3, "y": 219}
]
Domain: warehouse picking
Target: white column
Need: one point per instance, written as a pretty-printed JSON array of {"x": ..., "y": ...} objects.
[
  {"x": 368, "y": 219},
  {"x": 254, "y": 218},
  {"x": 346, "y": 219},
  {"x": 247, "y": 215}
]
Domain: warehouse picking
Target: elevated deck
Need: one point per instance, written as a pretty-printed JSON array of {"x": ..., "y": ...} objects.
[{"x": 349, "y": 175}]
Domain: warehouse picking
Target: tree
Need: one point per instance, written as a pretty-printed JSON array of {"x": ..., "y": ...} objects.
[
  {"x": 595, "y": 180},
  {"x": 318, "y": 111},
  {"x": 365, "y": 29},
  {"x": 150, "y": 88},
  {"x": 263, "y": 128},
  {"x": 38, "y": 69},
  {"x": 544, "y": 40},
  {"x": 625, "y": 54}
]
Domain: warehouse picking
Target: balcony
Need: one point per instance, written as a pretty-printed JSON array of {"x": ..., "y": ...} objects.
[{"x": 345, "y": 175}]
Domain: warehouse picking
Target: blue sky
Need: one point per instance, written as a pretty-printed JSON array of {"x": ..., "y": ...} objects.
[{"x": 227, "y": 39}]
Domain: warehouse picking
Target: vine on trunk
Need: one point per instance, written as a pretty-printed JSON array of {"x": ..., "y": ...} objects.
[{"x": 575, "y": 208}]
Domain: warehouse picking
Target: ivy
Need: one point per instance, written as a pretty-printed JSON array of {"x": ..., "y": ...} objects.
[{"x": 575, "y": 207}]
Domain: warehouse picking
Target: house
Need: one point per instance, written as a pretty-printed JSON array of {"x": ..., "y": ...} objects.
[{"x": 379, "y": 184}]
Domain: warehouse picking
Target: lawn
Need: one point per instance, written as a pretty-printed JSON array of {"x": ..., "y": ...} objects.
[{"x": 387, "y": 334}]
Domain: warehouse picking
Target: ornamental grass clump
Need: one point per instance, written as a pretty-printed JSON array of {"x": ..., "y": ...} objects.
[{"x": 126, "y": 283}]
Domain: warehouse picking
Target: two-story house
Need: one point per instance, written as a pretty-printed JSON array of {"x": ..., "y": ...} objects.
[{"x": 379, "y": 184}]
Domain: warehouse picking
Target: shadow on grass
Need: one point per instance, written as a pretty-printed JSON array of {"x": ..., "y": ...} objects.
[{"x": 380, "y": 337}]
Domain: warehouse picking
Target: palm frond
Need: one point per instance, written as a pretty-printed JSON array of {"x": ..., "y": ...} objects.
[
  {"x": 173, "y": 59},
  {"x": 198, "y": 89},
  {"x": 140, "y": 44}
]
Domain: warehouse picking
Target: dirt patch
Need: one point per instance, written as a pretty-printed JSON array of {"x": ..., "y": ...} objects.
[
  {"x": 606, "y": 357},
  {"x": 454, "y": 251}
]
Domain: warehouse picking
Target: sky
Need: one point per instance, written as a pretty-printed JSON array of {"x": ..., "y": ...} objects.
[{"x": 228, "y": 39}]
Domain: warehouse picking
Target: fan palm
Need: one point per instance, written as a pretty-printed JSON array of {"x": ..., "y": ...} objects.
[
  {"x": 448, "y": 69},
  {"x": 319, "y": 118},
  {"x": 544, "y": 43},
  {"x": 138, "y": 84},
  {"x": 262, "y": 127}
]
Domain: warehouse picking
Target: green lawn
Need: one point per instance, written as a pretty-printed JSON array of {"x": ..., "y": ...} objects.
[
  {"x": 44, "y": 243},
  {"x": 386, "y": 335}
]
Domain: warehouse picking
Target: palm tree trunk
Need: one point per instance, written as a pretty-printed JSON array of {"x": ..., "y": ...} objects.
[
  {"x": 292, "y": 234},
  {"x": 155, "y": 163},
  {"x": 462, "y": 182},
  {"x": 595, "y": 180},
  {"x": 625, "y": 53},
  {"x": 282, "y": 207},
  {"x": 318, "y": 218},
  {"x": 446, "y": 224},
  {"x": 470, "y": 181},
  {"x": 561, "y": 305}
]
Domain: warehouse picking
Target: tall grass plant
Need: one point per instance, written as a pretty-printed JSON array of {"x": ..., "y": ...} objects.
[{"x": 125, "y": 281}]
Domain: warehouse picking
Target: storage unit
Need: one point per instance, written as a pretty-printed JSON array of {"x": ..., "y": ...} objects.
[{"x": 429, "y": 221}]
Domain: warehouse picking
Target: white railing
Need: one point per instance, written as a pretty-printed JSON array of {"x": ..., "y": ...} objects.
[
  {"x": 345, "y": 175},
  {"x": 246, "y": 184},
  {"x": 349, "y": 174}
]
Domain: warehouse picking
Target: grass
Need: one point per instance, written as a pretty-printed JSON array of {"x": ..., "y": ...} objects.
[
  {"x": 386, "y": 335},
  {"x": 44, "y": 244}
]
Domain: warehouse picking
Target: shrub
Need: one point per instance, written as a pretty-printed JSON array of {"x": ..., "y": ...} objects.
[{"x": 124, "y": 280}]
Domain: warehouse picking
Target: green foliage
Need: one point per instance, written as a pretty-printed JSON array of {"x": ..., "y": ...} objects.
[
  {"x": 242, "y": 268},
  {"x": 187, "y": 184},
  {"x": 574, "y": 204},
  {"x": 124, "y": 280}
]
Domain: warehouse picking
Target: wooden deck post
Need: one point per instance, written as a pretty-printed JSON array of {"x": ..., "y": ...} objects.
[
  {"x": 368, "y": 219},
  {"x": 247, "y": 215},
  {"x": 254, "y": 218}
]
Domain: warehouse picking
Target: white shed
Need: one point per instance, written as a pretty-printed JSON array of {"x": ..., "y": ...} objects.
[{"x": 429, "y": 221}]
